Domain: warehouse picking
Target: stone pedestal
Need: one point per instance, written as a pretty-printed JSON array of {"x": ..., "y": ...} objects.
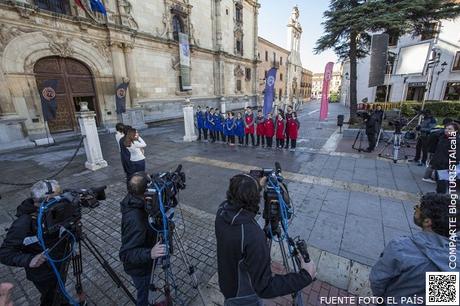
[
  {"x": 87, "y": 122},
  {"x": 12, "y": 134},
  {"x": 135, "y": 118},
  {"x": 189, "y": 125},
  {"x": 223, "y": 105}
]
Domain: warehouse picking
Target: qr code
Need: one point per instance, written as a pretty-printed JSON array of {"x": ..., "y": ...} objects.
[{"x": 442, "y": 288}]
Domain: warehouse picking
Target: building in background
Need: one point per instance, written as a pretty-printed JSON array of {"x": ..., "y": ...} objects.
[
  {"x": 271, "y": 55},
  {"x": 334, "y": 86},
  {"x": 306, "y": 85},
  {"x": 445, "y": 80},
  {"x": 89, "y": 53}
]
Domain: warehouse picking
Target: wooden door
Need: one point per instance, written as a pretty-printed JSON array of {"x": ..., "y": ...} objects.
[{"x": 75, "y": 83}]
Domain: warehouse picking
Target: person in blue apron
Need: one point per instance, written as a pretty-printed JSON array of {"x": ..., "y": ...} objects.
[
  {"x": 243, "y": 256},
  {"x": 199, "y": 122}
]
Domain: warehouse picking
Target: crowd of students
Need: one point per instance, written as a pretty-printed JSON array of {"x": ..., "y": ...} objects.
[{"x": 228, "y": 128}]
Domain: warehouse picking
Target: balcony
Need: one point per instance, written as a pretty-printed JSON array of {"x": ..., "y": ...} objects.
[{"x": 56, "y": 6}]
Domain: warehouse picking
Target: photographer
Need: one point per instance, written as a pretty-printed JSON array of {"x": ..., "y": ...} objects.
[
  {"x": 400, "y": 271},
  {"x": 243, "y": 256},
  {"x": 421, "y": 149},
  {"x": 139, "y": 245},
  {"x": 21, "y": 248},
  {"x": 371, "y": 121}
]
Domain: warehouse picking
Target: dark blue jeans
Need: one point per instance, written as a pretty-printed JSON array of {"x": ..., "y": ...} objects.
[{"x": 142, "y": 287}]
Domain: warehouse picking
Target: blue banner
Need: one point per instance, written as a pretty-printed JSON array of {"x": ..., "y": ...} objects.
[
  {"x": 48, "y": 99},
  {"x": 121, "y": 97},
  {"x": 269, "y": 92}
]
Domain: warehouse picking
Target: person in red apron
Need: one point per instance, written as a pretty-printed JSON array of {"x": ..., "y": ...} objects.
[
  {"x": 249, "y": 122},
  {"x": 269, "y": 128},
  {"x": 280, "y": 131},
  {"x": 292, "y": 130},
  {"x": 260, "y": 120}
]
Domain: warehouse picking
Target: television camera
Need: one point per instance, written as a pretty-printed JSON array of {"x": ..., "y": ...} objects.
[{"x": 278, "y": 212}]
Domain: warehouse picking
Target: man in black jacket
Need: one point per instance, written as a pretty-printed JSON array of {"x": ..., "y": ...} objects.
[
  {"x": 443, "y": 157},
  {"x": 371, "y": 121},
  {"x": 21, "y": 248},
  {"x": 139, "y": 247},
  {"x": 243, "y": 256},
  {"x": 425, "y": 127}
]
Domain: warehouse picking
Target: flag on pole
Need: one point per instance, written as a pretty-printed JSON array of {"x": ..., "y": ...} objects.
[
  {"x": 269, "y": 92},
  {"x": 98, "y": 6},
  {"x": 121, "y": 97},
  {"x": 325, "y": 94},
  {"x": 78, "y": 2},
  {"x": 48, "y": 99}
]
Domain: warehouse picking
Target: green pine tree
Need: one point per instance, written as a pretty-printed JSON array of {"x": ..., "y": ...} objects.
[{"x": 349, "y": 23}]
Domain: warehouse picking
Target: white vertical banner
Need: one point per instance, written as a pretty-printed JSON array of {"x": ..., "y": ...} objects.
[{"x": 184, "y": 58}]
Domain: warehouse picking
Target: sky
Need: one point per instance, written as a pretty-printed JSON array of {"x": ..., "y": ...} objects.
[{"x": 274, "y": 16}]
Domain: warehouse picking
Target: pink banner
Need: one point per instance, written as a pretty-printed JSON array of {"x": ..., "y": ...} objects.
[{"x": 325, "y": 94}]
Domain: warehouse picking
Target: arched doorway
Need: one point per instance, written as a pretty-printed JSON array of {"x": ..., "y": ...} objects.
[{"x": 74, "y": 85}]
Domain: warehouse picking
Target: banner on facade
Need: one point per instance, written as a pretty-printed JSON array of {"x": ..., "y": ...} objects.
[
  {"x": 325, "y": 94},
  {"x": 120, "y": 97},
  {"x": 184, "y": 62},
  {"x": 48, "y": 99},
  {"x": 379, "y": 59},
  {"x": 269, "y": 92}
]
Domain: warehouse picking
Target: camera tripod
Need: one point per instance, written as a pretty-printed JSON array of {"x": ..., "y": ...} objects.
[
  {"x": 398, "y": 143},
  {"x": 272, "y": 230},
  {"x": 165, "y": 298},
  {"x": 77, "y": 265},
  {"x": 359, "y": 136}
]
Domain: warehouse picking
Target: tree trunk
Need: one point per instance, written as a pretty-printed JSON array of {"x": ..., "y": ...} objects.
[{"x": 353, "y": 77}]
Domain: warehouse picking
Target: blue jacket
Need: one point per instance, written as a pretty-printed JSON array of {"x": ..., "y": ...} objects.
[
  {"x": 239, "y": 129},
  {"x": 211, "y": 122},
  {"x": 229, "y": 127},
  {"x": 199, "y": 120},
  {"x": 400, "y": 271},
  {"x": 206, "y": 120},
  {"x": 218, "y": 122}
]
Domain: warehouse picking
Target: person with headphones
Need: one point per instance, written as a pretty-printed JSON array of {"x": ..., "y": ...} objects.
[
  {"x": 139, "y": 246},
  {"x": 243, "y": 256},
  {"x": 21, "y": 248}
]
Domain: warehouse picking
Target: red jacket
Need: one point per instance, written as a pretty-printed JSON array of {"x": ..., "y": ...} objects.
[
  {"x": 292, "y": 128},
  {"x": 249, "y": 121},
  {"x": 280, "y": 131},
  {"x": 269, "y": 128},
  {"x": 260, "y": 126}
]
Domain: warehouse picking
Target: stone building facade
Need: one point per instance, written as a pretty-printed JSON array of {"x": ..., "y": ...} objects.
[
  {"x": 89, "y": 54},
  {"x": 271, "y": 55},
  {"x": 306, "y": 85},
  {"x": 334, "y": 85}
]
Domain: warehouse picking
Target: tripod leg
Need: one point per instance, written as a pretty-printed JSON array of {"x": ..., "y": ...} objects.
[
  {"x": 284, "y": 255},
  {"x": 105, "y": 265},
  {"x": 191, "y": 268},
  {"x": 353, "y": 146}
]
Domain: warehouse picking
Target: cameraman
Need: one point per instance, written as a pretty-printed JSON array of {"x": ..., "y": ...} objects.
[
  {"x": 243, "y": 256},
  {"x": 21, "y": 248},
  {"x": 139, "y": 247},
  {"x": 371, "y": 121},
  {"x": 421, "y": 149}
]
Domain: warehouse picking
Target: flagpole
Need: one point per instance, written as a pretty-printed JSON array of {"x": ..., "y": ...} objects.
[{"x": 47, "y": 132}]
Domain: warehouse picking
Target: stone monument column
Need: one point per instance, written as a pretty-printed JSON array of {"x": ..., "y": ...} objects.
[
  {"x": 87, "y": 122},
  {"x": 189, "y": 125},
  {"x": 223, "y": 105}
]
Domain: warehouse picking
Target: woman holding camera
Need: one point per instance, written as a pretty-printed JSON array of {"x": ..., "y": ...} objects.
[{"x": 136, "y": 146}]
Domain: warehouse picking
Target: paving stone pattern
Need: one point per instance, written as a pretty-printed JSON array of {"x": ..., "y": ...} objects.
[{"x": 102, "y": 225}]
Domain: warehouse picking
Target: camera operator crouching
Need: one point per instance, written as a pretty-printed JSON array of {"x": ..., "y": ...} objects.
[
  {"x": 139, "y": 245},
  {"x": 243, "y": 256},
  {"x": 21, "y": 246}
]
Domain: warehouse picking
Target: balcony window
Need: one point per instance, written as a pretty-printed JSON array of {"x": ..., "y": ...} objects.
[
  {"x": 178, "y": 26},
  {"x": 281, "y": 76},
  {"x": 456, "y": 66},
  {"x": 266, "y": 56},
  {"x": 57, "y": 6},
  {"x": 238, "y": 13},
  {"x": 248, "y": 74},
  {"x": 452, "y": 91},
  {"x": 281, "y": 61}
]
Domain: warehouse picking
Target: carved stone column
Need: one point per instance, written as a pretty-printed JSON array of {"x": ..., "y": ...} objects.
[
  {"x": 88, "y": 128},
  {"x": 132, "y": 74},
  {"x": 189, "y": 126}
]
